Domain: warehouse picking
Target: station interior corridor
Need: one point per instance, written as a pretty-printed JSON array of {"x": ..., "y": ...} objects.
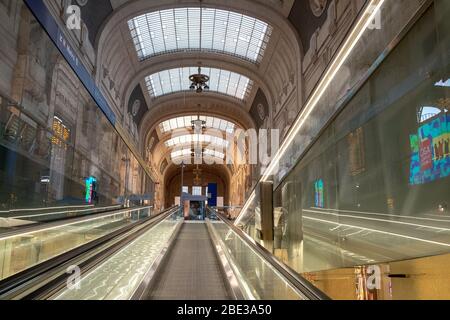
[{"x": 225, "y": 150}]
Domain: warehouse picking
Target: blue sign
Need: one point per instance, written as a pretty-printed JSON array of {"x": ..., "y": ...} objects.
[
  {"x": 212, "y": 194},
  {"x": 43, "y": 15},
  {"x": 91, "y": 183}
]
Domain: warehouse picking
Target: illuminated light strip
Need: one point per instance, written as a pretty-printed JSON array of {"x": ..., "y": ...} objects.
[
  {"x": 232, "y": 278},
  {"x": 127, "y": 247},
  {"x": 379, "y": 220},
  {"x": 236, "y": 271},
  {"x": 440, "y": 216},
  {"x": 46, "y": 208},
  {"x": 383, "y": 232},
  {"x": 342, "y": 56},
  {"x": 261, "y": 258},
  {"x": 62, "y": 212},
  {"x": 245, "y": 208},
  {"x": 70, "y": 224},
  {"x": 349, "y": 253},
  {"x": 75, "y": 230},
  {"x": 383, "y": 214}
]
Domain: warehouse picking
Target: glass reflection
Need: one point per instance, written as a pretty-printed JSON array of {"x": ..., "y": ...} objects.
[{"x": 373, "y": 189}]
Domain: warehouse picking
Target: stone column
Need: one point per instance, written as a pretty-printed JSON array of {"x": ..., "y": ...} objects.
[{"x": 20, "y": 70}]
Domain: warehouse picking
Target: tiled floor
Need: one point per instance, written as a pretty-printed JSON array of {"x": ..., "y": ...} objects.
[{"x": 192, "y": 270}]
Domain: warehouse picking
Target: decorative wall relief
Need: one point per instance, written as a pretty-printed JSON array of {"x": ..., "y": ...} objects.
[
  {"x": 260, "y": 110},
  {"x": 318, "y": 6},
  {"x": 153, "y": 141},
  {"x": 307, "y": 16},
  {"x": 137, "y": 105},
  {"x": 94, "y": 13}
]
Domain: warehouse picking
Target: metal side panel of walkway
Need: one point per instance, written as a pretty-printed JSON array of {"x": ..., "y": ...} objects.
[{"x": 192, "y": 270}]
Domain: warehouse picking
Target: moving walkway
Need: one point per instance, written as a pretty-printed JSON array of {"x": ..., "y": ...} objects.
[
  {"x": 163, "y": 257},
  {"x": 28, "y": 246}
]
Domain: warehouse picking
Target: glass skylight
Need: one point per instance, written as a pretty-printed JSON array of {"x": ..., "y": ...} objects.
[
  {"x": 177, "y": 80},
  {"x": 443, "y": 83},
  {"x": 196, "y": 29},
  {"x": 186, "y": 122},
  {"x": 187, "y": 153},
  {"x": 181, "y": 153},
  {"x": 428, "y": 112},
  {"x": 196, "y": 138},
  {"x": 196, "y": 191},
  {"x": 214, "y": 154}
]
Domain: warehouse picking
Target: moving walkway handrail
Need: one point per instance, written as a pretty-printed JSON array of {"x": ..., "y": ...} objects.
[
  {"x": 15, "y": 285},
  {"x": 304, "y": 286}
]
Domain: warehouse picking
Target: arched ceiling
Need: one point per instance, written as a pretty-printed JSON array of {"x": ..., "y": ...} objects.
[
  {"x": 130, "y": 70},
  {"x": 176, "y": 106},
  {"x": 247, "y": 47},
  {"x": 176, "y": 139},
  {"x": 173, "y": 177},
  {"x": 207, "y": 60},
  {"x": 217, "y": 170}
]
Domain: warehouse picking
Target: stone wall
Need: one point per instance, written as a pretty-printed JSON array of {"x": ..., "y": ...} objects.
[{"x": 45, "y": 97}]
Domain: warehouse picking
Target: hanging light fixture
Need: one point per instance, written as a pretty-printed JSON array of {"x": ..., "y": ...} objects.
[
  {"x": 199, "y": 81},
  {"x": 198, "y": 173},
  {"x": 198, "y": 125}
]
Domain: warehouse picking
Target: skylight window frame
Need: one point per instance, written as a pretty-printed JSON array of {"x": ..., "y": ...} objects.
[
  {"x": 185, "y": 122},
  {"x": 192, "y": 139},
  {"x": 187, "y": 153},
  {"x": 150, "y": 40}
]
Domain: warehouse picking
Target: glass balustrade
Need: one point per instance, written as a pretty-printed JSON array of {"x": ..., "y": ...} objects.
[{"x": 22, "y": 250}]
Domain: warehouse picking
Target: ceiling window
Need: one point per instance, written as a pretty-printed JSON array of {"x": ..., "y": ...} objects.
[
  {"x": 177, "y": 80},
  {"x": 428, "y": 112},
  {"x": 196, "y": 191},
  {"x": 188, "y": 153},
  {"x": 443, "y": 83},
  {"x": 181, "y": 153},
  {"x": 213, "y": 154},
  {"x": 191, "y": 139},
  {"x": 196, "y": 29},
  {"x": 186, "y": 122}
]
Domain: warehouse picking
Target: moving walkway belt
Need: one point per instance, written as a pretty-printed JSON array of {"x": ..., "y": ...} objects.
[
  {"x": 191, "y": 270},
  {"x": 198, "y": 265},
  {"x": 222, "y": 277}
]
